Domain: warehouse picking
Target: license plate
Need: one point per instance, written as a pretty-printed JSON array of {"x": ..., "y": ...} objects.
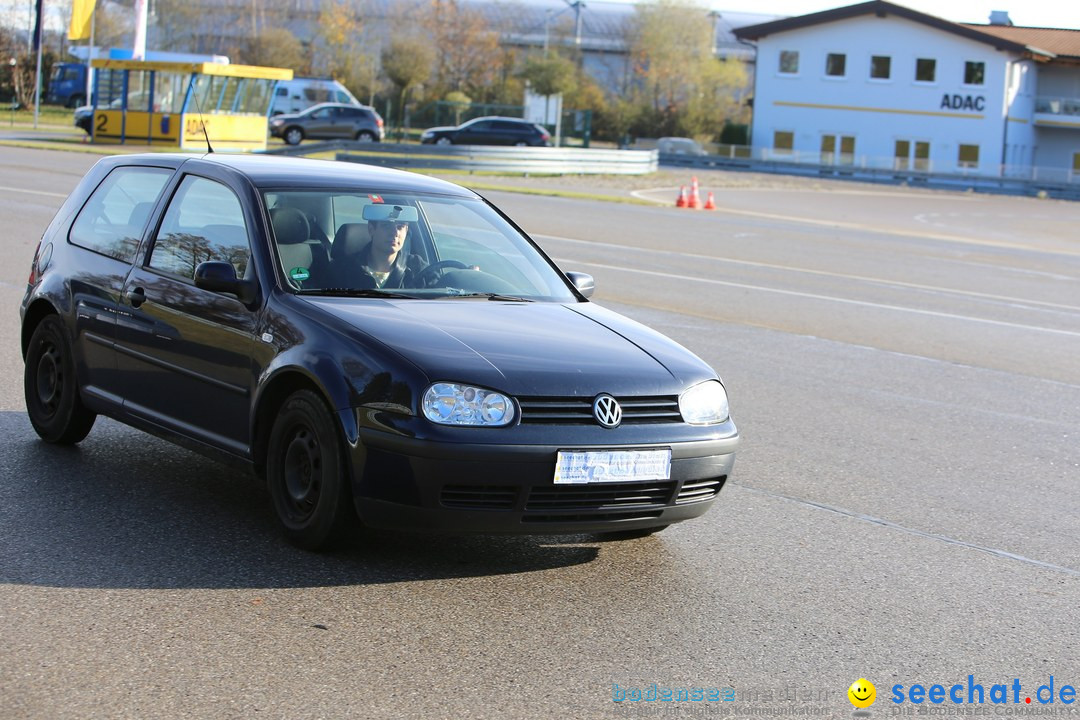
[{"x": 581, "y": 467}]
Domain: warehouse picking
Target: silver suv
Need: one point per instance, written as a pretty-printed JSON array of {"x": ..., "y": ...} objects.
[{"x": 329, "y": 121}]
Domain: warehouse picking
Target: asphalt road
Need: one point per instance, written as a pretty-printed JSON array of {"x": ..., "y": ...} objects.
[{"x": 902, "y": 366}]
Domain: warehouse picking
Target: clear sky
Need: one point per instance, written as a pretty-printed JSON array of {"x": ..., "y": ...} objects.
[{"x": 1033, "y": 13}]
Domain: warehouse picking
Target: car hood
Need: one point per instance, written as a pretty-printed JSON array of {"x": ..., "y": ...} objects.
[{"x": 525, "y": 348}]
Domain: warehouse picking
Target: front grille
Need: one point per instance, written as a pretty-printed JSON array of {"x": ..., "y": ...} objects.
[
  {"x": 599, "y": 498},
  {"x": 578, "y": 411},
  {"x": 698, "y": 490},
  {"x": 592, "y": 517},
  {"x": 479, "y": 497}
]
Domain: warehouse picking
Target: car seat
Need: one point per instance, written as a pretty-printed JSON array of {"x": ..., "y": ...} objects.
[{"x": 291, "y": 233}]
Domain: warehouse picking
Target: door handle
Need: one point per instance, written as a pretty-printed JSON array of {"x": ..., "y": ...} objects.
[{"x": 135, "y": 296}]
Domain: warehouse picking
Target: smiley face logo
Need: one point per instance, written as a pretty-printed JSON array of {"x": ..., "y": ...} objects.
[{"x": 861, "y": 693}]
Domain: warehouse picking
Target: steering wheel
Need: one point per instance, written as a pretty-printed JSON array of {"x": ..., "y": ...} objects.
[{"x": 428, "y": 273}]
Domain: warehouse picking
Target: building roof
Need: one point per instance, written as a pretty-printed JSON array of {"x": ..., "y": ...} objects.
[
  {"x": 881, "y": 8},
  {"x": 1065, "y": 44}
]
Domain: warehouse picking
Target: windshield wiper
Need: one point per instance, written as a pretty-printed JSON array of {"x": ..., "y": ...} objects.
[
  {"x": 486, "y": 296},
  {"x": 354, "y": 292}
]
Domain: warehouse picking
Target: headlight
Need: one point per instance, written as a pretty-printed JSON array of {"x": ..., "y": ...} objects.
[
  {"x": 426, "y": 134},
  {"x": 704, "y": 404},
  {"x": 277, "y": 123},
  {"x": 454, "y": 404}
]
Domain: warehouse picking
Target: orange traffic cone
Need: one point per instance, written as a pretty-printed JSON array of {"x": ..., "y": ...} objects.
[
  {"x": 695, "y": 199},
  {"x": 681, "y": 202},
  {"x": 710, "y": 204}
]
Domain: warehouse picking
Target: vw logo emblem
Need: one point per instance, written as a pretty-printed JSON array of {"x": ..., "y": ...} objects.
[{"x": 607, "y": 411}]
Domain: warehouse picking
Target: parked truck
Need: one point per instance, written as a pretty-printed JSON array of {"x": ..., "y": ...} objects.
[{"x": 67, "y": 83}]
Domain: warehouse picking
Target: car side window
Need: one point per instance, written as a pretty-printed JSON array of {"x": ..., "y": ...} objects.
[
  {"x": 114, "y": 217},
  {"x": 503, "y": 126},
  {"x": 480, "y": 126},
  {"x": 204, "y": 221}
]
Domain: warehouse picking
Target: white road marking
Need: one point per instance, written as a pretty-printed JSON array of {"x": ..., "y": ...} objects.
[
  {"x": 827, "y": 298},
  {"x": 824, "y": 273},
  {"x": 33, "y": 192},
  {"x": 641, "y": 195}
]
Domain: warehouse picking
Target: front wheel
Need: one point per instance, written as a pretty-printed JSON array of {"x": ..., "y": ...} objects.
[
  {"x": 444, "y": 141},
  {"x": 293, "y": 136},
  {"x": 52, "y": 391},
  {"x": 305, "y": 472}
]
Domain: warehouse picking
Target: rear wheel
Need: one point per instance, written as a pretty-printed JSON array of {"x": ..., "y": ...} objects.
[
  {"x": 305, "y": 472},
  {"x": 521, "y": 143},
  {"x": 364, "y": 136},
  {"x": 52, "y": 391},
  {"x": 293, "y": 136}
]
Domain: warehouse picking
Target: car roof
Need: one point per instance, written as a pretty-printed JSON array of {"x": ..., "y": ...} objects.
[
  {"x": 276, "y": 171},
  {"x": 337, "y": 104},
  {"x": 501, "y": 117}
]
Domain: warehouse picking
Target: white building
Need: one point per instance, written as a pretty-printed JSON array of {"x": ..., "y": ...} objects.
[{"x": 881, "y": 85}]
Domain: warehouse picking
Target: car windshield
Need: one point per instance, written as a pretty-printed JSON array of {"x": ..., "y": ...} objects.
[{"x": 415, "y": 246}]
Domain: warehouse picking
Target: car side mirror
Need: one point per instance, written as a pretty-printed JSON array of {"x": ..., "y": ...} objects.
[
  {"x": 583, "y": 282},
  {"x": 219, "y": 276}
]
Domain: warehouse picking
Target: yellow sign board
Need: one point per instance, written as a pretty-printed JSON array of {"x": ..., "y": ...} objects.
[{"x": 226, "y": 132}]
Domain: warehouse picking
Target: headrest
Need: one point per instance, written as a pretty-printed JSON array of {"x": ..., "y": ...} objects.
[
  {"x": 350, "y": 239},
  {"x": 290, "y": 226},
  {"x": 140, "y": 213}
]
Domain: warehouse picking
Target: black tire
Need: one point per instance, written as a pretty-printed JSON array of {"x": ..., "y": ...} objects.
[
  {"x": 292, "y": 135},
  {"x": 305, "y": 473},
  {"x": 616, "y": 535},
  {"x": 52, "y": 391},
  {"x": 364, "y": 136},
  {"x": 444, "y": 141},
  {"x": 521, "y": 143}
]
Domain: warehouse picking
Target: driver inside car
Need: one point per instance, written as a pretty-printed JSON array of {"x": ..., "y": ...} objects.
[{"x": 384, "y": 262}]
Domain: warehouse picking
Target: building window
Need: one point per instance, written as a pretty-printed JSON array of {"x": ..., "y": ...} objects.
[
  {"x": 880, "y": 67},
  {"x": 974, "y": 72},
  {"x": 829, "y": 146},
  {"x": 783, "y": 141},
  {"x": 835, "y": 64},
  {"x": 925, "y": 70},
  {"x": 968, "y": 156},
  {"x": 912, "y": 155},
  {"x": 789, "y": 62}
]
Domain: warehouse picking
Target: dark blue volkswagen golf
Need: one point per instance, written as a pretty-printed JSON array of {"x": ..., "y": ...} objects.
[{"x": 375, "y": 344}]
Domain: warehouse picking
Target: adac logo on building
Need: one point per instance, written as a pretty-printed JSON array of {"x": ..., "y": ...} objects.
[{"x": 862, "y": 694}]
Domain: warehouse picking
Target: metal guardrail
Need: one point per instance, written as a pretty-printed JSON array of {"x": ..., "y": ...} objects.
[
  {"x": 939, "y": 180},
  {"x": 482, "y": 158},
  {"x": 581, "y": 161}
]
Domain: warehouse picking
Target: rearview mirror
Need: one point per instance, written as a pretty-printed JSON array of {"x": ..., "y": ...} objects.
[
  {"x": 583, "y": 282},
  {"x": 219, "y": 276}
]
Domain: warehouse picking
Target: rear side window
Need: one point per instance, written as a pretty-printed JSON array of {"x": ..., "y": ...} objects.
[
  {"x": 204, "y": 221},
  {"x": 114, "y": 217}
]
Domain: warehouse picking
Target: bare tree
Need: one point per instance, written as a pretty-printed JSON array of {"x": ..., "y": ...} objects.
[
  {"x": 406, "y": 62},
  {"x": 343, "y": 51},
  {"x": 277, "y": 47},
  {"x": 466, "y": 46},
  {"x": 687, "y": 89}
]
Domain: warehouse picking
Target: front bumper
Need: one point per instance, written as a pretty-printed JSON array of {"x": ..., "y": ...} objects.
[{"x": 403, "y": 483}]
